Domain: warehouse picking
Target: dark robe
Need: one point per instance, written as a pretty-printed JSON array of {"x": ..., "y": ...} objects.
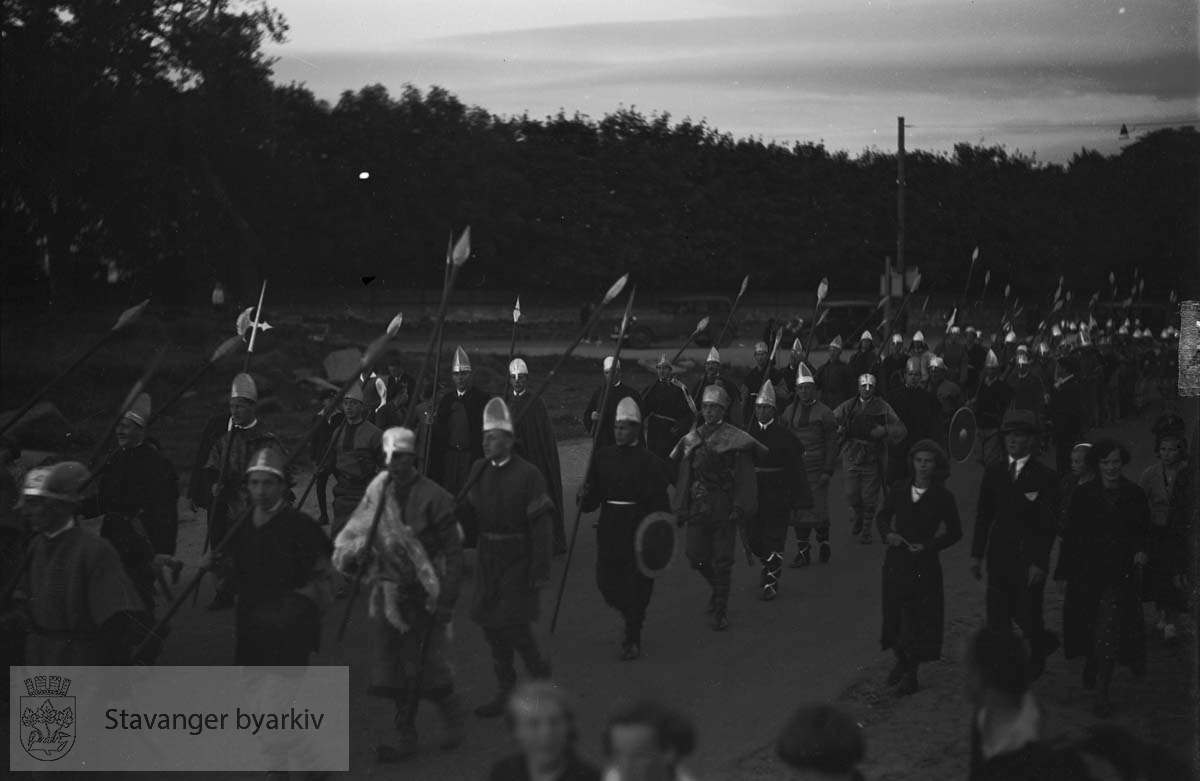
[
  {"x": 76, "y": 587},
  {"x": 892, "y": 369},
  {"x": 200, "y": 484},
  {"x": 276, "y": 625},
  {"x": 607, "y": 418},
  {"x": 535, "y": 443},
  {"x": 457, "y": 442},
  {"x": 667, "y": 415},
  {"x": 510, "y": 507},
  {"x": 836, "y": 381},
  {"x": 976, "y": 357},
  {"x": 992, "y": 401},
  {"x": 864, "y": 362},
  {"x": 516, "y": 768},
  {"x": 1028, "y": 393},
  {"x": 913, "y": 597},
  {"x": 140, "y": 482},
  {"x": 1104, "y": 530},
  {"x": 919, "y": 411},
  {"x": 633, "y": 474},
  {"x": 782, "y": 486},
  {"x": 1067, "y": 411}
]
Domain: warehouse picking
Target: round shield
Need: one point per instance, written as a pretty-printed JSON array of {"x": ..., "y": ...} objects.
[
  {"x": 654, "y": 544},
  {"x": 962, "y": 434}
]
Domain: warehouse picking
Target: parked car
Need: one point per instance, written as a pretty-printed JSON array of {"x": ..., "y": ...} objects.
[{"x": 675, "y": 319}]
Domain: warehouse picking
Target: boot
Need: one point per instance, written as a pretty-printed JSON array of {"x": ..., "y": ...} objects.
[
  {"x": 718, "y": 622},
  {"x": 908, "y": 684},
  {"x": 770, "y": 576},
  {"x": 454, "y": 719},
  {"x": 406, "y": 734},
  {"x": 824, "y": 554},
  {"x": 897, "y": 673},
  {"x": 495, "y": 707},
  {"x": 630, "y": 651},
  {"x": 864, "y": 538},
  {"x": 803, "y": 556},
  {"x": 857, "y": 529}
]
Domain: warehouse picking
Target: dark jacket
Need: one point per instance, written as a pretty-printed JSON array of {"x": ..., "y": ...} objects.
[{"x": 1015, "y": 523}]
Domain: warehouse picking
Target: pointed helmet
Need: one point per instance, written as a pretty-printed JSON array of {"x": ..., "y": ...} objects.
[
  {"x": 461, "y": 362},
  {"x": 139, "y": 413},
  {"x": 244, "y": 388}
]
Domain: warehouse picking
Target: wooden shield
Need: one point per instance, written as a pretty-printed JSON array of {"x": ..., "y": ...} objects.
[
  {"x": 962, "y": 434},
  {"x": 655, "y": 543}
]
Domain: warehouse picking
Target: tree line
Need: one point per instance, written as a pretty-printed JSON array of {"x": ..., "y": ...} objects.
[{"x": 145, "y": 145}]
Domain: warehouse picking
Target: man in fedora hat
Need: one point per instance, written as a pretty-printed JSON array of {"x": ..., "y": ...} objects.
[{"x": 1015, "y": 526}]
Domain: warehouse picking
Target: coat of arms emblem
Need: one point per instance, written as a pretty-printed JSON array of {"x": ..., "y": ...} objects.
[{"x": 47, "y": 718}]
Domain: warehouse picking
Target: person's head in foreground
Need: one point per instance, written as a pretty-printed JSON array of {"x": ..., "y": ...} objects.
[
  {"x": 542, "y": 722},
  {"x": 647, "y": 741},
  {"x": 821, "y": 743}
]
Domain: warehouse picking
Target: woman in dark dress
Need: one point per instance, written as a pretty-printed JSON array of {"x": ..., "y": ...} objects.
[
  {"x": 919, "y": 519},
  {"x": 542, "y": 722},
  {"x": 1102, "y": 555}
]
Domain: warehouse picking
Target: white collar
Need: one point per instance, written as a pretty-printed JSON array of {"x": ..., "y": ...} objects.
[
  {"x": 917, "y": 493},
  {"x": 1020, "y": 462},
  {"x": 246, "y": 428},
  {"x": 1017, "y": 732},
  {"x": 767, "y": 425},
  {"x": 499, "y": 464},
  {"x": 70, "y": 525},
  {"x": 461, "y": 393},
  {"x": 519, "y": 394}
]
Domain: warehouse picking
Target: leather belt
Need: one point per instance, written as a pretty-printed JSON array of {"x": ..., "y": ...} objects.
[{"x": 619, "y": 503}]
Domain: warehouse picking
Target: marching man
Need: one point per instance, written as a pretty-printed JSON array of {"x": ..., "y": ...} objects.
[
  {"x": 782, "y": 488},
  {"x": 514, "y": 515},
  {"x": 627, "y": 482},
  {"x": 717, "y": 491},
  {"x": 814, "y": 424},
  {"x": 593, "y": 416},
  {"x": 414, "y": 570},
  {"x": 457, "y": 441},
  {"x": 764, "y": 371},
  {"x": 991, "y": 402},
  {"x": 668, "y": 414},
  {"x": 712, "y": 376},
  {"x": 866, "y": 424},
  {"x": 354, "y": 457},
  {"x": 535, "y": 442}
]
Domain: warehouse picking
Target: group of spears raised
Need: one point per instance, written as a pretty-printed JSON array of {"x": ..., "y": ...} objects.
[{"x": 420, "y": 477}]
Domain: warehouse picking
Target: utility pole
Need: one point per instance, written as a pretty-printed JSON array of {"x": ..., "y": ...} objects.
[
  {"x": 900, "y": 198},
  {"x": 887, "y": 301}
]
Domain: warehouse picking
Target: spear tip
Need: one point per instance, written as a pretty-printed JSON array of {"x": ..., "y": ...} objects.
[
  {"x": 394, "y": 326},
  {"x": 225, "y": 348},
  {"x": 130, "y": 314},
  {"x": 616, "y": 289},
  {"x": 462, "y": 248}
]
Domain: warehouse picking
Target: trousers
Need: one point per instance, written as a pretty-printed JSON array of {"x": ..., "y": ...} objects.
[
  {"x": 710, "y": 552},
  {"x": 816, "y": 517},
  {"x": 507, "y": 641},
  {"x": 1012, "y": 600},
  {"x": 862, "y": 491}
]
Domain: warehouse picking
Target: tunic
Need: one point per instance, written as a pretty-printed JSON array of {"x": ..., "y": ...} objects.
[
  {"x": 277, "y": 625},
  {"x": 781, "y": 476},
  {"x": 74, "y": 584},
  {"x": 717, "y": 476},
  {"x": 668, "y": 416},
  {"x": 837, "y": 382},
  {"x": 200, "y": 484},
  {"x": 234, "y": 499},
  {"x": 1172, "y": 500},
  {"x": 1102, "y": 613},
  {"x": 913, "y": 597},
  {"x": 535, "y": 443},
  {"x": 355, "y": 458},
  {"x": 457, "y": 437},
  {"x": 608, "y": 417},
  {"x": 415, "y": 573},
  {"x": 513, "y": 513},
  {"x": 816, "y": 427},
  {"x": 855, "y": 421},
  {"x": 140, "y": 482},
  {"x": 626, "y": 484}
]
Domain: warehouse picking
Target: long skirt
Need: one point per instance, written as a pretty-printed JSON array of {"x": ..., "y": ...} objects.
[
  {"x": 913, "y": 604},
  {"x": 1104, "y": 621}
]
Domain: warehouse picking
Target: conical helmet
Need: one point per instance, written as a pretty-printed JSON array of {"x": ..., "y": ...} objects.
[
  {"x": 627, "y": 410},
  {"x": 866, "y": 337},
  {"x": 836, "y": 344},
  {"x": 244, "y": 388},
  {"x": 992, "y": 361},
  {"x": 715, "y": 394},
  {"x": 804, "y": 376},
  {"x": 918, "y": 338},
  {"x": 766, "y": 396},
  {"x": 496, "y": 416},
  {"x": 267, "y": 460},
  {"x": 461, "y": 362},
  {"x": 139, "y": 413},
  {"x": 713, "y": 356},
  {"x": 1010, "y": 337},
  {"x": 516, "y": 367}
]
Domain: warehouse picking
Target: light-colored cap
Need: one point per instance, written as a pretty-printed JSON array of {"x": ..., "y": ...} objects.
[
  {"x": 1043, "y": 348},
  {"x": 766, "y": 396},
  {"x": 971, "y": 329},
  {"x": 919, "y": 337},
  {"x": 139, "y": 413},
  {"x": 609, "y": 362},
  {"x": 836, "y": 344},
  {"x": 496, "y": 416},
  {"x": 1055, "y": 331},
  {"x": 804, "y": 376},
  {"x": 267, "y": 460},
  {"x": 866, "y": 380},
  {"x": 398, "y": 440},
  {"x": 715, "y": 394},
  {"x": 63, "y": 482},
  {"x": 244, "y": 388},
  {"x": 897, "y": 339},
  {"x": 992, "y": 361},
  {"x": 866, "y": 337},
  {"x": 627, "y": 410},
  {"x": 936, "y": 362},
  {"x": 662, "y": 361},
  {"x": 713, "y": 356},
  {"x": 761, "y": 347},
  {"x": 1010, "y": 337},
  {"x": 517, "y": 366},
  {"x": 1123, "y": 331},
  {"x": 1023, "y": 359},
  {"x": 461, "y": 362},
  {"x": 1022, "y": 348},
  {"x": 913, "y": 364},
  {"x": 955, "y": 329}
]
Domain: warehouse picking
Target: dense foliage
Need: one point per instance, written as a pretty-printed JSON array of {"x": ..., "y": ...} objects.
[{"x": 148, "y": 135}]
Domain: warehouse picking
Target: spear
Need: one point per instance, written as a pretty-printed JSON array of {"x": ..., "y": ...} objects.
[
  {"x": 128, "y": 316},
  {"x": 732, "y": 310},
  {"x": 700, "y": 326},
  {"x": 255, "y": 324},
  {"x": 224, "y": 348},
  {"x": 775, "y": 347},
  {"x": 916, "y": 284},
  {"x": 822, "y": 291},
  {"x": 604, "y": 395},
  {"x": 392, "y": 329},
  {"x": 512, "y": 343},
  {"x": 368, "y": 359},
  {"x": 452, "y": 266},
  {"x": 970, "y": 272}
]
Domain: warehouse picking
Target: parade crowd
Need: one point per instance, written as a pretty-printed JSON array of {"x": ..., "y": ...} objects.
[{"x": 466, "y": 487}]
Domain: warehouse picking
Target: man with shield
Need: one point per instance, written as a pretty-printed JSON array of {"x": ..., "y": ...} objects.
[
  {"x": 782, "y": 489},
  {"x": 628, "y": 484},
  {"x": 414, "y": 570},
  {"x": 716, "y": 492},
  {"x": 866, "y": 424},
  {"x": 668, "y": 412},
  {"x": 814, "y": 424},
  {"x": 535, "y": 442}
]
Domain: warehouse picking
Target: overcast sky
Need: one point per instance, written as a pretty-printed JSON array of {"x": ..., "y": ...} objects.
[{"x": 1042, "y": 76}]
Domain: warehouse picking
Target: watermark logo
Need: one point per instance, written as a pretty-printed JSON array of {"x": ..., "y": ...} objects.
[{"x": 47, "y": 718}]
